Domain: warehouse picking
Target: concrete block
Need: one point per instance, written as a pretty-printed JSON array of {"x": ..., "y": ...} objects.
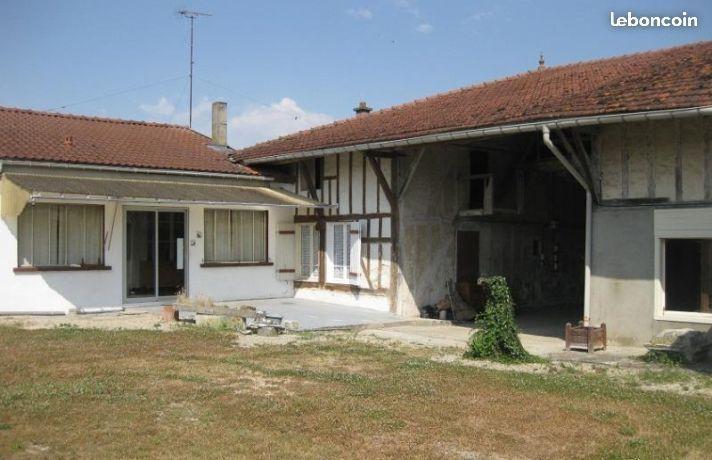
[
  {"x": 207, "y": 320},
  {"x": 690, "y": 345}
]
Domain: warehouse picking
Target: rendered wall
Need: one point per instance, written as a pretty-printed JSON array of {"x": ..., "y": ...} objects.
[
  {"x": 428, "y": 211},
  {"x": 669, "y": 160},
  {"x": 61, "y": 291}
]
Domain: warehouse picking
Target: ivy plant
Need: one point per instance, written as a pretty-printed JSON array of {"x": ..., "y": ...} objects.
[{"x": 496, "y": 337}]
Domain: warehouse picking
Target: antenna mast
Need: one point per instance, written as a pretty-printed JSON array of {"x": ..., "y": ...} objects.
[{"x": 191, "y": 15}]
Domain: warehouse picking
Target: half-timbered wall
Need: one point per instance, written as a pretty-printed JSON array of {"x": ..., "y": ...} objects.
[
  {"x": 350, "y": 183},
  {"x": 669, "y": 159}
]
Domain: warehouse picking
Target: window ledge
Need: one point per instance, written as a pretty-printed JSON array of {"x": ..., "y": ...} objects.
[
  {"x": 68, "y": 268},
  {"x": 235, "y": 264},
  {"x": 685, "y": 317}
]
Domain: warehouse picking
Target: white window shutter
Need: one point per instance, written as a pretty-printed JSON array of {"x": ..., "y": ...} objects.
[
  {"x": 286, "y": 242},
  {"x": 354, "y": 252}
]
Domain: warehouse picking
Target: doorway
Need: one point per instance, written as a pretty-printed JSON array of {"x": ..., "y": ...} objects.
[
  {"x": 468, "y": 266},
  {"x": 154, "y": 254}
]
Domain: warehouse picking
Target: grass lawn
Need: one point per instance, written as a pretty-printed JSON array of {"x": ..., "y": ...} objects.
[{"x": 70, "y": 392}]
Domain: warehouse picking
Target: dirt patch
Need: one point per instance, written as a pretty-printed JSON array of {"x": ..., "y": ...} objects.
[{"x": 131, "y": 319}]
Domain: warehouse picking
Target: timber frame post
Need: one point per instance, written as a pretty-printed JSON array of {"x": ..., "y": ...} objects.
[
  {"x": 395, "y": 220},
  {"x": 320, "y": 222}
]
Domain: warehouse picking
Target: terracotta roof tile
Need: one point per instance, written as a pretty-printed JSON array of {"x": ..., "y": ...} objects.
[
  {"x": 44, "y": 136},
  {"x": 654, "y": 80}
]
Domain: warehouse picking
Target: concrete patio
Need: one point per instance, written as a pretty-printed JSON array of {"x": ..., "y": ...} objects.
[{"x": 313, "y": 315}]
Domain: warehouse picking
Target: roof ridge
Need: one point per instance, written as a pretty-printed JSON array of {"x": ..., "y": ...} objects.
[
  {"x": 478, "y": 85},
  {"x": 94, "y": 118}
]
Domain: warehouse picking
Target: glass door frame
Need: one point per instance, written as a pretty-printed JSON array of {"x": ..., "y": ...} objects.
[{"x": 124, "y": 257}]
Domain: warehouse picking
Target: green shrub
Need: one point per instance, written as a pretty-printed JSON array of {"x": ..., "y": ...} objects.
[{"x": 496, "y": 338}]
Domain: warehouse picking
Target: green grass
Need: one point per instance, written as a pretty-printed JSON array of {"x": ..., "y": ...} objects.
[{"x": 191, "y": 393}]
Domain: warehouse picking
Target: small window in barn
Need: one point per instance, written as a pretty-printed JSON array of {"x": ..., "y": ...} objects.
[
  {"x": 315, "y": 169},
  {"x": 308, "y": 251},
  {"x": 480, "y": 181},
  {"x": 234, "y": 236},
  {"x": 688, "y": 275},
  {"x": 58, "y": 235}
]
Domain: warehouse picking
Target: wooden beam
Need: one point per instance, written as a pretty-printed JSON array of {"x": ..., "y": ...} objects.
[
  {"x": 392, "y": 200},
  {"x": 576, "y": 155},
  {"x": 340, "y": 217},
  {"x": 377, "y": 154},
  {"x": 306, "y": 174},
  {"x": 411, "y": 171}
]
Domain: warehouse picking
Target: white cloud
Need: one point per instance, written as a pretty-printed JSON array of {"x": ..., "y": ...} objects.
[
  {"x": 162, "y": 108},
  {"x": 425, "y": 28},
  {"x": 408, "y": 5},
  {"x": 250, "y": 126},
  {"x": 262, "y": 123},
  {"x": 165, "y": 111},
  {"x": 360, "y": 13},
  {"x": 479, "y": 16}
]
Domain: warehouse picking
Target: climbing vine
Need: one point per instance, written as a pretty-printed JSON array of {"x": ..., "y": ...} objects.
[{"x": 496, "y": 337}]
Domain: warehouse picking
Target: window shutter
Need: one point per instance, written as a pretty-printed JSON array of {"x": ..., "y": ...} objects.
[
  {"x": 354, "y": 252},
  {"x": 286, "y": 252}
]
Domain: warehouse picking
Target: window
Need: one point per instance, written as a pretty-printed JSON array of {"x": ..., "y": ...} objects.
[
  {"x": 342, "y": 246},
  {"x": 233, "y": 236},
  {"x": 480, "y": 181},
  {"x": 308, "y": 251},
  {"x": 688, "y": 275},
  {"x": 61, "y": 235},
  {"x": 343, "y": 249}
]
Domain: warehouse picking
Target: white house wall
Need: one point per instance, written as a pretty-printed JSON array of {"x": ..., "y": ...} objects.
[{"x": 61, "y": 291}]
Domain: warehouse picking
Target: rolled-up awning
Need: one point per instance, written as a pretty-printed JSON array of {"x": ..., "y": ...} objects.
[{"x": 20, "y": 188}]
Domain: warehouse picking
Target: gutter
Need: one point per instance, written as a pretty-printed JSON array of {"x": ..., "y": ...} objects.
[
  {"x": 48, "y": 164},
  {"x": 40, "y": 198},
  {"x": 494, "y": 131},
  {"x": 589, "y": 211}
]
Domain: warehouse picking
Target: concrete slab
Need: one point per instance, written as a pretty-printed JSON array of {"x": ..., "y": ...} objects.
[
  {"x": 457, "y": 336},
  {"x": 313, "y": 315}
]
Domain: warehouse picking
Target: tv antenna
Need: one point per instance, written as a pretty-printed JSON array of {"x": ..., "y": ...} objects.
[{"x": 191, "y": 15}]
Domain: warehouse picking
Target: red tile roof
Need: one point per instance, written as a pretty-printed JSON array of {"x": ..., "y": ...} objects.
[
  {"x": 655, "y": 80},
  {"x": 44, "y": 136}
]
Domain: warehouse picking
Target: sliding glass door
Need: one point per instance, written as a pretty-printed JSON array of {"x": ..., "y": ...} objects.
[{"x": 154, "y": 253}]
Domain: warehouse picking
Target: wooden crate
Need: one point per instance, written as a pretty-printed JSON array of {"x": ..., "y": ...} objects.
[{"x": 589, "y": 338}]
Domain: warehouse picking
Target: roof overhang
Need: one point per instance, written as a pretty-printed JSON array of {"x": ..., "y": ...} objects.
[
  {"x": 19, "y": 188},
  {"x": 490, "y": 131}
]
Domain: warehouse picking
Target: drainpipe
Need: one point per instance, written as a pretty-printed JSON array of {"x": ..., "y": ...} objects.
[{"x": 589, "y": 208}]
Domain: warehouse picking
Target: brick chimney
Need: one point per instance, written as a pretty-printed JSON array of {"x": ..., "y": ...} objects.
[
  {"x": 362, "y": 109},
  {"x": 220, "y": 123}
]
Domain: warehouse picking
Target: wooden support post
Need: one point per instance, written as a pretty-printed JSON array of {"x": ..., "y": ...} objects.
[
  {"x": 411, "y": 172},
  {"x": 395, "y": 231},
  {"x": 382, "y": 182},
  {"x": 306, "y": 174},
  {"x": 581, "y": 159}
]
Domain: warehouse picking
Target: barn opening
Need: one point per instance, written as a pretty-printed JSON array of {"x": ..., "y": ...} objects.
[{"x": 524, "y": 218}]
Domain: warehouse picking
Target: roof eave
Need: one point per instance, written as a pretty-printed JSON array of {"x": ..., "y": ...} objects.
[
  {"x": 500, "y": 130},
  {"x": 131, "y": 169}
]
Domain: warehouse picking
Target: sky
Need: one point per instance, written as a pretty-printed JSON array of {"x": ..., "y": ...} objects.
[{"x": 284, "y": 66}]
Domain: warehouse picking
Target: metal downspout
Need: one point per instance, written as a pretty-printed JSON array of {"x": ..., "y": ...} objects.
[{"x": 589, "y": 209}]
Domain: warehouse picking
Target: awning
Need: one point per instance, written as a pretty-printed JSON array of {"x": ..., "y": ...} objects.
[{"x": 20, "y": 188}]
